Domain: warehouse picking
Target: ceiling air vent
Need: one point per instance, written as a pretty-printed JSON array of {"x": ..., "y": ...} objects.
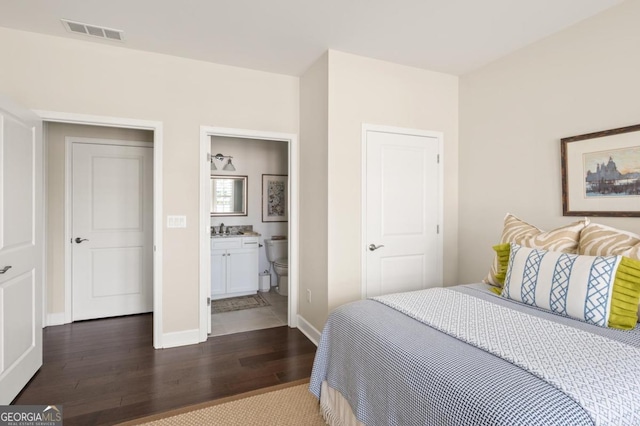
[{"x": 93, "y": 30}]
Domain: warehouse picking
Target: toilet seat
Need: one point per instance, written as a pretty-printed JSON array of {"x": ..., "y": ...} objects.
[{"x": 282, "y": 262}]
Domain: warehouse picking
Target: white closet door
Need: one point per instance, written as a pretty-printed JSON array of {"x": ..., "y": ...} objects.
[
  {"x": 112, "y": 239},
  {"x": 403, "y": 203}
]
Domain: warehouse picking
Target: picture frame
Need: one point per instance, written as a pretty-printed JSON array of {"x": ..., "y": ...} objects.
[
  {"x": 275, "y": 198},
  {"x": 601, "y": 173}
]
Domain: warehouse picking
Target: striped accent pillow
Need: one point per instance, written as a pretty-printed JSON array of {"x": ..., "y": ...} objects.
[
  {"x": 564, "y": 239},
  {"x": 602, "y": 240},
  {"x": 600, "y": 290}
]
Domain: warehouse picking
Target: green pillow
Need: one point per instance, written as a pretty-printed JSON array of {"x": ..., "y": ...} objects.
[
  {"x": 502, "y": 251},
  {"x": 625, "y": 295}
]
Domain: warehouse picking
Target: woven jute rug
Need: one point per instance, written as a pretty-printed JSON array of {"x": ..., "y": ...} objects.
[
  {"x": 238, "y": 303},
  {"x": 290, "y": 404}
]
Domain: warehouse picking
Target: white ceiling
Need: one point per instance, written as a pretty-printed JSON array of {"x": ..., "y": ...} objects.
[{"x": 287, "y": 36}]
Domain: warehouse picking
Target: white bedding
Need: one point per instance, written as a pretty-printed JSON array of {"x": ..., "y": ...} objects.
[
  {"x": 394, "y": 370},
  {"x": 592, "y": 369}
]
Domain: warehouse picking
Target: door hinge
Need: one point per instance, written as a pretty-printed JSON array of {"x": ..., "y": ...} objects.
[
  {"x": 438, "y": 159},
  {"x": 437, "y": 229},
  {"x": 208, "y": 301},
  {"x": 208, "y": 157}
]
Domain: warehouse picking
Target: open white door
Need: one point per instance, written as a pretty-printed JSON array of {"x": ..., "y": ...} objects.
[
  {"x": 21, "y": 242},
  {"x": 402, "y": 217}
]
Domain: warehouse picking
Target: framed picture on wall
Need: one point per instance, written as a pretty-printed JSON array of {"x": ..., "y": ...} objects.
[
  {"x": 601, "y": 173},
  {"x": 275, "y": 198}
]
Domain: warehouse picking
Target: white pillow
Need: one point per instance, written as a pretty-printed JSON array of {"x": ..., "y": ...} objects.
[{"x": 572, "y": 285}]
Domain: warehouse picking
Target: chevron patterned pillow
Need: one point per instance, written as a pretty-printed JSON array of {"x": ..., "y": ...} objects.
[
  {"x": 563, "y": 239},
  {"x": 600, "y": 290}
]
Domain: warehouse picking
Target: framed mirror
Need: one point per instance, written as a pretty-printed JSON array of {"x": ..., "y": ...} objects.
[{"x": 228, "y": 195}]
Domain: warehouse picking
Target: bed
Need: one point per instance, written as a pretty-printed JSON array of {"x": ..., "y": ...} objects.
[
  {"x": 379, "y": 366},
  {"x": 548, "y": 338}
]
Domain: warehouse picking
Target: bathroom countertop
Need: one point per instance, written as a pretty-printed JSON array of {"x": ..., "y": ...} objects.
[{"x": 235, "y": 235}]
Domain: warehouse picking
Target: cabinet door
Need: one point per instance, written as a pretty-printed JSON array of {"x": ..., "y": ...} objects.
[
  {"x": 218, "y": 272},
  {"x": 242, "y": 270}
]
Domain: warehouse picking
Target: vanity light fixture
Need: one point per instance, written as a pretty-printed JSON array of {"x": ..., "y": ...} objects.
[{"x": 228, "y": 167}]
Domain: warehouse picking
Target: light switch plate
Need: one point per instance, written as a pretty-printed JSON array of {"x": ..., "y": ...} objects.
[{"x": 176, "y": 221}]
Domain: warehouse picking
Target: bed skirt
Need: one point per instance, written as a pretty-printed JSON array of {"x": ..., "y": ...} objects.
[{"x": 335, "y": 408}]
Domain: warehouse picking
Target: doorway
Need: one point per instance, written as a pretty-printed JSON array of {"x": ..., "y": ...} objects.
[
  {"x": 206, "y": 133},
  {"x": 402, "y": 210},
  {"x": 237, "y": 273},
  {"x": 53, "y": 297}
]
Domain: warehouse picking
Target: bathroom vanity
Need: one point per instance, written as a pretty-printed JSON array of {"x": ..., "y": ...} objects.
[{"x": 234, "y": 266}]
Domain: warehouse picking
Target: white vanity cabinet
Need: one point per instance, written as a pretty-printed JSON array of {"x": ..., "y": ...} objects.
[{"x": 234, "y": 266}]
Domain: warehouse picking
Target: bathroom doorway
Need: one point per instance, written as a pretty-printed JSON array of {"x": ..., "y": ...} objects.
[
  {"x": 258, "y": 156},
  {"x": 244, "y": 258}
]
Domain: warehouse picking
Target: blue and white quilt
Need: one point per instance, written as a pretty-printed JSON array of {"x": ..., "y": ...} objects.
[{"x": 395, "y": 370}]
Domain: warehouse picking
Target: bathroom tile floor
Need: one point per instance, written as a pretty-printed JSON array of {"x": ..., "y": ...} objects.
[{"x": 252, "y": 319}]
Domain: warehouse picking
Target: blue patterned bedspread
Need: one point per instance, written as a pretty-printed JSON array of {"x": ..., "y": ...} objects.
[{"x": 394, "y": 370}]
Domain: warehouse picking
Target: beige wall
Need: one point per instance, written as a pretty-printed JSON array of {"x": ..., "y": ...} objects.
[
  {"x": 339, "y": 93},
  {"x": 55, "y": 189},
  {"x": 514, "y": 112},
  {"x": 313, "y": 192},
  {"x": 59, "y": 74},
  {"x": 363, "y": 90}
]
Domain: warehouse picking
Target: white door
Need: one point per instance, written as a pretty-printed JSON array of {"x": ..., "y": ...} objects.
[
  {"x": 112, "y": 230},
  {"x": 403, "y": 248},
  {"x": 20, "y": 249}
]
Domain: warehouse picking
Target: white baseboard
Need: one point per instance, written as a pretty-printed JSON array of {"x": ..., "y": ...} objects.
[
  {"x": 308, "y": 330},
  {"x": 55, "y": 319},
  {"x": 181, "y": 338}
]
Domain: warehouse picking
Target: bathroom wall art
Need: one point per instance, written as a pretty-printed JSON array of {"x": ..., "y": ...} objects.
[{"x": 275, "y": 198}]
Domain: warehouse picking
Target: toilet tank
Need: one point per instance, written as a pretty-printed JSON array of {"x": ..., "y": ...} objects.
[{"x": 276, "y": 249}]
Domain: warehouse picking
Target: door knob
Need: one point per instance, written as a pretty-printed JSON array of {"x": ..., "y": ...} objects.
[
  {"x": 79, "y": 240},
  {"x": 5, "y": 269},
  {"x": 374, "y": 247}
]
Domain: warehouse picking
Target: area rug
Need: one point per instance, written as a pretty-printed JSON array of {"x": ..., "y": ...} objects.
[
  {"x": 289, "y": 404},
  {"x": 238, "y": 303}
]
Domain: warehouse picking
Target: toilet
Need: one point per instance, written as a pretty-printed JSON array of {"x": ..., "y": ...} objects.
[{"x": 277, "y": 255}]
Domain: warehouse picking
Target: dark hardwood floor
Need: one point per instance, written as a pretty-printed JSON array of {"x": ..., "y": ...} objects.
[{"x": 106, "y": 371}]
